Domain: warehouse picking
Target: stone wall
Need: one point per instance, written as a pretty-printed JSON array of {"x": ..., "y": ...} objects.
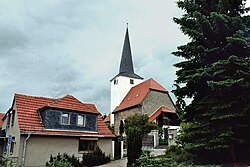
[
  {"x": 147, "y": 141},
  {"x": 122, "y": 116},
  {"x": 154, "y": 100}
]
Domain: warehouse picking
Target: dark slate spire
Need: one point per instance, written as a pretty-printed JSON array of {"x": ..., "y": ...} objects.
[{"x": 126, "y": 65}]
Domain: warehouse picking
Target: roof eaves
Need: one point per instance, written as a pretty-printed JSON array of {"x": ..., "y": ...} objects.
[
  {"x": 126, "y": 108},
  {"x": 135, "y": 76},
  {"x": 172, "y": 102},
  {"x": 155, "y": 111},
  {"x": 71, "y": 135},
  {"x": 65, "y": 109},
  {"x": 164, "y": 91}
]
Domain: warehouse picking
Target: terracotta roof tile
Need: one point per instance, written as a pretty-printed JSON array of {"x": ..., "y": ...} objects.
[
  {"x": 102, "y": 127},
  {"x": 71, "y": 103},
  {"x": 137, "y": 94},
  {"x": 107, "y": 119},
  {"x": 160, "y": 110},
  {"x": 30, "y": 121},
  {"x": 1, "y": 117}
]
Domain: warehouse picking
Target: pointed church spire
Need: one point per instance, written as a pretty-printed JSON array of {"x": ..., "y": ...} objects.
[{"x": 126, "y": 65}]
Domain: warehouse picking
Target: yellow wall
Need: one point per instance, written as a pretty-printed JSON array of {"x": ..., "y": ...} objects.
[{"x": 39, "y": 148}]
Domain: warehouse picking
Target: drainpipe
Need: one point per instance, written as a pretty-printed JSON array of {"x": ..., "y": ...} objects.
[{"x": 24, "y": 149}]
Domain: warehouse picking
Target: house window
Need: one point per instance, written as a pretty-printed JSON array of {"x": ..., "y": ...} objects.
[
  {"x": 65, "y": 119},
  {"x": 81, "y": 119},
  {"x": 87, "y": 145},
  {"x": 115, "y": 81},
  {"x": 131, "y": 81}
]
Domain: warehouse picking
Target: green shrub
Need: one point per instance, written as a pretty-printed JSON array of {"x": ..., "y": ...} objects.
[
  {"x": 73, "y": 160},
  {"x": 111, "y": 128},
  {"x": 135, "y": 127},
  {"x": 95, "y": 158},
  {"x": 62, "y": 160},
  {"x": 163, "y": 141},
  {"x": 177, "y": 154},
  {"x": 7, "y": 162},
  {"x": 146, "y": 160},
  {"x": 178, "y": 157}
]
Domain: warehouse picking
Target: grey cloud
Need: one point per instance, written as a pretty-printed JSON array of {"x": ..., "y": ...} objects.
[
  {"x": 53, "y": 48},
  {"x": 11, "y": 37},
  {"x": 101, "y": 99}
]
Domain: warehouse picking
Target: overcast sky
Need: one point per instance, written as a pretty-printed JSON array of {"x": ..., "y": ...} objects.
[{"x": 53, "y": 48}]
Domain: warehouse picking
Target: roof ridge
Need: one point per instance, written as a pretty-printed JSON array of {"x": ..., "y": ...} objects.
[
  {"x": 85, "y": 104},
  {"x": 57, "y": 100},
  {"x": 142, "y": 83},
  {"x": 161, "y": 108},
  {"x": 19, "y": 94},
  {"x": 68, "y": 95},
  {"x": 152, "y": 87}
]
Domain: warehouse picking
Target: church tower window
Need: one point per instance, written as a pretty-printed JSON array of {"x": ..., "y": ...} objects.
[{"x": 115, "y": 81}]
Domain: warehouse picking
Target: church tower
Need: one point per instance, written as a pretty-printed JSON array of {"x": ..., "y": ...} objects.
[{"x": 125, "y": 79}]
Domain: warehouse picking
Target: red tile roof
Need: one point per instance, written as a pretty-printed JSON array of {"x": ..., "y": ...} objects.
[
  {"x": 137, "y": 94},
  {"x": 107, "y": 119},
  {"x": 1, "y": 117},
  {"x": 30, "y": 121},
  {"x": 71, "y": 103},
  {"x": 160, "y": 110}
]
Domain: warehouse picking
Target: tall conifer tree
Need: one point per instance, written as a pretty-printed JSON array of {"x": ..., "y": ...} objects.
[{"x": 216, "y": 75}]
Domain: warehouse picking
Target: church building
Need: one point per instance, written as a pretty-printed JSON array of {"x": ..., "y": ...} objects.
[
  {"x": 130, "y": 95},
  {"x": 125, "y": 79}
]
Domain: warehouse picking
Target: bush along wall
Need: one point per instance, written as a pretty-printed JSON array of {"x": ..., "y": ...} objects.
[{"x": 95, "y": 158}]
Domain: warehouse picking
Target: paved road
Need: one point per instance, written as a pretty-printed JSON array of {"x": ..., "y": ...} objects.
[
  {"x": 123, "y": 162},
  {"x": 117, "y": 163}
]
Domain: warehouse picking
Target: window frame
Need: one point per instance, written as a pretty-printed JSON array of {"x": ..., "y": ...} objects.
[
  {"x": 64, "y": 113},
  {"x": 84, "y": 120},
  {"x": 90, "y": 145}
]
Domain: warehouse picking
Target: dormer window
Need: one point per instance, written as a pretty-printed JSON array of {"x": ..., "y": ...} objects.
[
  {"x": 65, "y": 119},
  {"x": 81, "y": 119}
]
